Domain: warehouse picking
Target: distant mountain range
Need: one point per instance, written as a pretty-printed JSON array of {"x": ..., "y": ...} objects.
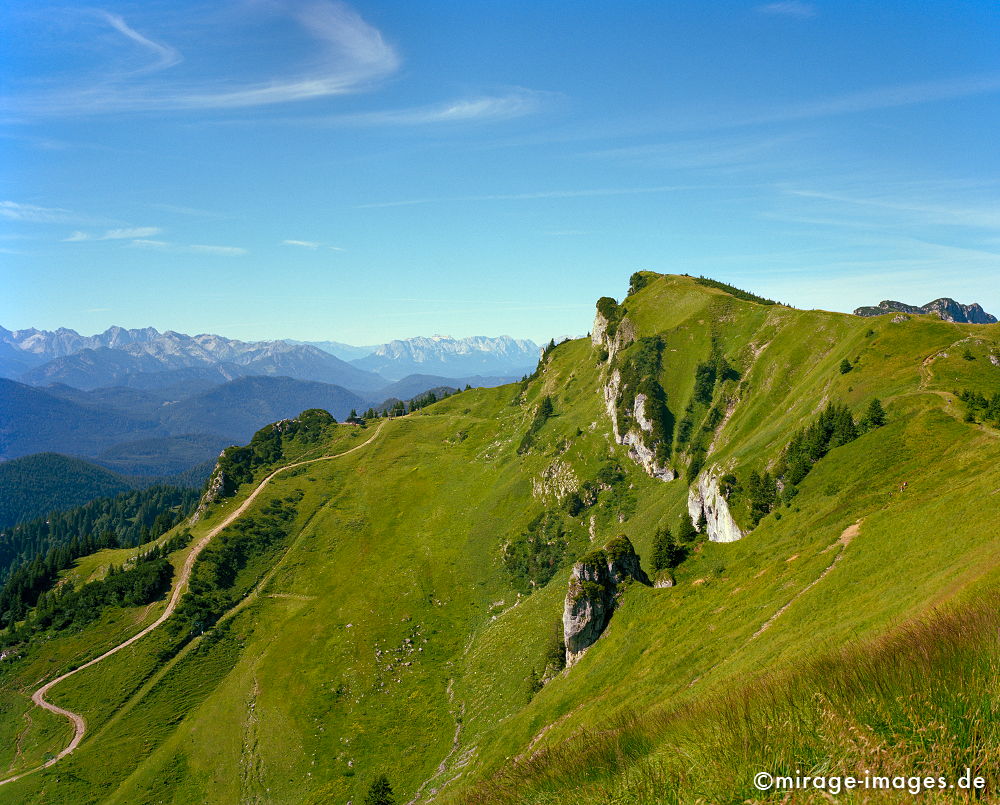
[
  {"x": 346, "y": 352},
  {"x": 443, "y": 355},
  {"x": 148, "y": 359},
  {"x": 945, "y": 308},
  {"x": 145, "y": 403}
]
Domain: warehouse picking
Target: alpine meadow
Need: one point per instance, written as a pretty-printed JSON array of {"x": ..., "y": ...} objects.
[
  {"x": 499, "y": 403},
  {"x": 815, "y": 590}
]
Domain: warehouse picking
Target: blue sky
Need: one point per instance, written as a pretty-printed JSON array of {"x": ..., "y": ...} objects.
[{"x": 318, "y": 170}]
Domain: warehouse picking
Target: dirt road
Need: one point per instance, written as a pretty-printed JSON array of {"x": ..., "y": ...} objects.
[{"x": 79, "y": 725}]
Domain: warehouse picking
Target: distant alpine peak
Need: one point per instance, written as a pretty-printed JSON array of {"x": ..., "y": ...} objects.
[
  {"x": 424, "y": 347},
  {"x": 945, "y": 308}
]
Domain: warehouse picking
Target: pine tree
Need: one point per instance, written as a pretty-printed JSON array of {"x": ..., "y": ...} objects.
[
  {"x": 686, "y": 532},
  {"x": 380, "y": 792},
  {"x": 661, "y": 549},
  {"x": 844, "y": 430},
  {"x": 667, "y": 552},
  {"x": 845, "y": 366},
  {"x": 874, "y": 417}
]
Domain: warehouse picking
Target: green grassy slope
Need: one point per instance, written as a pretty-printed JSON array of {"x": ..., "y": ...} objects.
[{"x": 384, "y": 635}]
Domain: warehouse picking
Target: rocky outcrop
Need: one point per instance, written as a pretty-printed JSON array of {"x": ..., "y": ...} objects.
[
  {"x": 215, "y": 490},
  {"x": 594, "y": 588},
  {"x": 945, "y": 308},
  {"x": 664, "y": 579},
  {"x": 641, "y": 453},
  {"x": 706, "y": 497},
  {"x": 556, "y": 481},
  {"x": 613, "y": 336}
]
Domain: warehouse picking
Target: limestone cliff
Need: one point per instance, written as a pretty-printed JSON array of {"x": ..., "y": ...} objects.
[
  {"x": 706, "y": 497},
  {"x": 594, "y": 588},
  {"x": 635, "y": 438}
]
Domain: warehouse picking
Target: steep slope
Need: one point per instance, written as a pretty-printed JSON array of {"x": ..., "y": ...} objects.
[
  {"x": 35, "y": 485},
  {"x": 402, "y": 619}
]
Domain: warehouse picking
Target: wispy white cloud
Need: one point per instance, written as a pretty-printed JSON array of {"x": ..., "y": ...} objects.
[
  {"x": 982, "y": 216},
  {"x": 177, "y": 248},
  {"x": 543, "y": 194},
  {"x": 195, "y": 212},
  {"x": 353, "y": 55},
  {"x": 311, "y": 245},
  {"x": 887, "y": 97},
  {"x": 515, "y": 103},
  {"x": 788, "y": 8},
  {"x": 32, "y": 213},
  {"x": 224, "y": 251},
  {"x": 164, "y": 55},
  {"x": 128, "y": 233},
  {"x": 703, "y": 152},
  {"x": 145, "y": 243}
]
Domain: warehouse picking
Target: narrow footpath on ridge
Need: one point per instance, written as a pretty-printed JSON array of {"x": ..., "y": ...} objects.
[{"x": 79, "y": 725}]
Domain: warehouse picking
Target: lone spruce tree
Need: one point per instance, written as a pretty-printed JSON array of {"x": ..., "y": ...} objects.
[
  {"x": 667, "y": 553},
  {"x": 874, "y": 417},
  {"x": 380, "y": 792},
  {"x": 686, "y": 532}
]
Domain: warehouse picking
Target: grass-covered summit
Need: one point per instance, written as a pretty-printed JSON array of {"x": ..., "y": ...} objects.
[{"x": 397, "y": 611}]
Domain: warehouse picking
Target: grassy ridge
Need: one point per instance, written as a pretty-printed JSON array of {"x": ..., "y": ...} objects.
[{"x": 387, "y": 636}]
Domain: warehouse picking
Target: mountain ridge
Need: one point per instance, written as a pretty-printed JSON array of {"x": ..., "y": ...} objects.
[
  {"x": 400, "y": 603},
  {"x": 146, "y": 357},
  {"x": 482, "y": 355},
  {"x": 945, "y": 308}
]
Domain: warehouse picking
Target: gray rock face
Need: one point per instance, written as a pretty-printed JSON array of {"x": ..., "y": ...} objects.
[
  {"x": 624, "y": 334},
  {"x": 945, "y": 308},
  {"x": 593, "y": 592},
  {"x": 638, "y": 451},
  {"x": 706, "y": 497},
  {"x": 217, "y": 483}
]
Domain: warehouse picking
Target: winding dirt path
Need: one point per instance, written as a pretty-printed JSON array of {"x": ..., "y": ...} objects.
[{"x": 79, "y": 725}]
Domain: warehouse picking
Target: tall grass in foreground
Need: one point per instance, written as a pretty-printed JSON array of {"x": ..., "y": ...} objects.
[{"x": 923, "y": 700}]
